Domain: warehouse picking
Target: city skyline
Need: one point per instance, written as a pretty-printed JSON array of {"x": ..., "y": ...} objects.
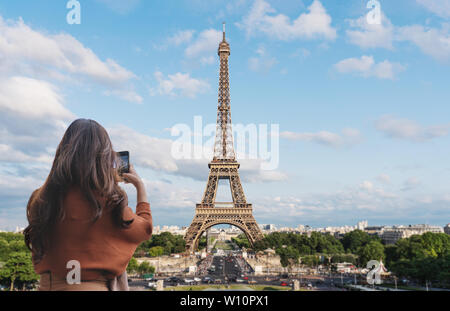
[{"x": 364, "y": 128}]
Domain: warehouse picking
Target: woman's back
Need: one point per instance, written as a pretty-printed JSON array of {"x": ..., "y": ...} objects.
[
  {"x": 70, "y": 221},
  {"x": 101, "y": 247}
]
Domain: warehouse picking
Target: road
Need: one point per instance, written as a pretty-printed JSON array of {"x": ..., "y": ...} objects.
[
  {"x": 226, "y": 268},
  {"x": 228, "y": 271}
]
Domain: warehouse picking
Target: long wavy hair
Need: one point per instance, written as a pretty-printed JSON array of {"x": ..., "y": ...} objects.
[{"x": 84, "y": 159}]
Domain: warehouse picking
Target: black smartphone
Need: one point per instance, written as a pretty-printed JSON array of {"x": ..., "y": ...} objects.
[{"x": 123, "y": 165}]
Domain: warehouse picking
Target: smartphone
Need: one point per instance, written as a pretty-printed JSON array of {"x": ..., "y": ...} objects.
[{"x": 123, "y": 165}]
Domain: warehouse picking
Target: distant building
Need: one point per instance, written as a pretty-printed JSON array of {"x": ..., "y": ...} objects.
[
  {"x": 362, "y": 225},
  {"x": 447, "y": 229},
  {"x": 374, "y": 230},
  {"x": 268, "y": 227},
  {"x": 301, "y": 228},
  {"x": 172, "y": 229},
  {"x": 392, "y": 234}
]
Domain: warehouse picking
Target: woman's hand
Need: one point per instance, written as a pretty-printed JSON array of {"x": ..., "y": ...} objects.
[{"x": 132, "y": 177}]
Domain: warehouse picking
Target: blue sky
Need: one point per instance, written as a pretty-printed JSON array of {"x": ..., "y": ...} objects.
[{"x": 363, "y": 109}]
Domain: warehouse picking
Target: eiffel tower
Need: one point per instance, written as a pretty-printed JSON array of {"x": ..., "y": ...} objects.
[{"x": 223, "y": 166}]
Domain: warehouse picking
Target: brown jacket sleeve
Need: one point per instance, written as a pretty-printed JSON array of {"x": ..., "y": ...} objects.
[{"x": 142, "y": 226}]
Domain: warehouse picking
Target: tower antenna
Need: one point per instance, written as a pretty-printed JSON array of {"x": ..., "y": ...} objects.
[{"x": 223, "y": 31}]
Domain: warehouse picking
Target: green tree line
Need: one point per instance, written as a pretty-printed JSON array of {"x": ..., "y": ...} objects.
[
  {"x": 16, "y": 267},
  {"x": 422, "y": 258},
  {"x": 165, "y": 243},
  {"x": 142, "y": 268}
]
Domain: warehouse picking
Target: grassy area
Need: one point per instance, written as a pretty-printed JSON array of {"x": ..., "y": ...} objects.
[
  {"x": 223, "y": 245},
  {"x": 270, "y": 287},
  {"x": 225, "y": 287}
]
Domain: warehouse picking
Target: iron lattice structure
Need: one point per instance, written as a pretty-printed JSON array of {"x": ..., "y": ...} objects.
[{"x": 223, "y": 166}]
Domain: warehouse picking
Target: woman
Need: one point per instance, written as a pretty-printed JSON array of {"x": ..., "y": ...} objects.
[{"x": 81, "y": 214}]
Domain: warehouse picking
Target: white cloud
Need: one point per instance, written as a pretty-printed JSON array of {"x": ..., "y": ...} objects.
[
  {"x": 127, "y": 95},
  {"x": 182, "y": 36},
  {"x": 14, "y": 185},
  {"x": 31, "y": 121},
  {"x": 263, "y": 62},
  {"x": 9, "y": 154},
  {"x": 431, "y": 41},
  {"x": 438, "y": 7},
  {"x": 251, "y": 171},
  {"x": 363, "y": 201},
  {"x": 169, "y": 196},
  {"x": 367, "y": 35},
  {"x": 40, "y": 100},
  {"x": 206, "y": 42},
  {"x": 367, "y": 186},
  {"x": 36, "y": 54},
  {"x": 146, "y": 151},
  {"x": 348, "y": 137},
  {"x": 179, "y": 84},
  {"x": 410, "y": 130},
  {"x": 207, "y": 60},
  {"x": 261, "y": 20},
  {"x": 20, "y": 43},
  {"x": 156, "y": 153},
  {"x": 366, "y": 67}
]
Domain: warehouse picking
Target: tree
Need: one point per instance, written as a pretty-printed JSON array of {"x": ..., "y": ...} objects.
[
  {"x": 241, "y": 241},
  {"x": 168, "y": 248},
  {"x": 18, "y": 246},
  {"x": 391, "y": 254},
  {"x": 169, "y": 242},
  {"x": 304, "y": 249},
  {"x": 156, "y": 251},
  {"x": 132, "y": 266},
  {"x": 310, "y": 260},
  {"x": 18, "y": 267},
  {"x": 354, "y": 240},
  {"x": 435, "y": 244},
  {"x": 423, "y": 258},
  {"x": 373, "y": 250},
  {"x": 180, "y": 245},
  {"x": 145, "y": 267},
  {"x": 288, "y": 256},
  {"x": 4, "y": 249},
  {"x": 202, "y": 242}
]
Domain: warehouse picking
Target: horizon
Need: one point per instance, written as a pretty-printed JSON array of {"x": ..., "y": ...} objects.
[{"x": 278, "y": 226}]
